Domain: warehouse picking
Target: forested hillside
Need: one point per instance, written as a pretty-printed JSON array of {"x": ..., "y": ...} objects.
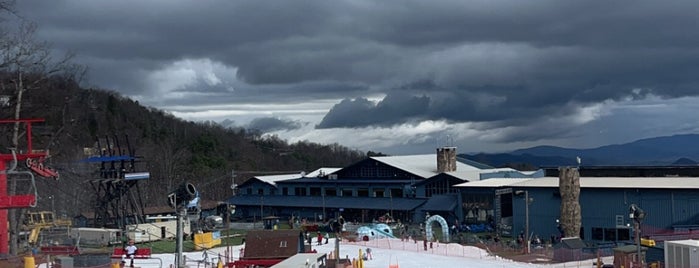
[{"x": 171, "y": 149}]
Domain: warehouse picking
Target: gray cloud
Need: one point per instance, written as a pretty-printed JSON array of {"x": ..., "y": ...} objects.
[
  {"x": 269, "y": 124},
  {"x": 495, "y": 65},
  {"x": 393, "y": 109}
]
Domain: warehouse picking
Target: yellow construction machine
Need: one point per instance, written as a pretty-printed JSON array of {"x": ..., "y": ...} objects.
[{"x": 35, "y": 221}]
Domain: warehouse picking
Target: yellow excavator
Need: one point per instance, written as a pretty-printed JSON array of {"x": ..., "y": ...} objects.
[{"x": 35, "y": 221}]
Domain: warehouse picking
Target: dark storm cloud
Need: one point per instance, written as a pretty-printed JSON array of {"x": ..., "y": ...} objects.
[
  {"x": 393, "y": 109},
  {"x": 269, "y": 124},
  {"x": 504, "y": 63}
]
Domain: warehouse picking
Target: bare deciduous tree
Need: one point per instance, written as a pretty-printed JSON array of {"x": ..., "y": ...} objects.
[{"x": 26, "y": 63}]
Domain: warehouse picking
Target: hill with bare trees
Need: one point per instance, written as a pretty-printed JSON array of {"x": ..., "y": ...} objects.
[{"x": 171, "y": 149}]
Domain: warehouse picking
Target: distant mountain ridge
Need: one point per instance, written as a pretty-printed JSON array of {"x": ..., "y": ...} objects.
[{"x": 668, "y": 150}]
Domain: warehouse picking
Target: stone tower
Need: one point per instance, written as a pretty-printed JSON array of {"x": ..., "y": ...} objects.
[
  {"x": 446, "y": 159},
  {"x": 569, "y": 187}
]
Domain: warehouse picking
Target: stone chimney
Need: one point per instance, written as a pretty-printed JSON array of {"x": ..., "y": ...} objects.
[{"x": 446, "y": 159}]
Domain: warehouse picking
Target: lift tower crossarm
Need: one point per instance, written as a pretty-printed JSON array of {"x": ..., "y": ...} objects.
[{"x": 15, "y": 201}]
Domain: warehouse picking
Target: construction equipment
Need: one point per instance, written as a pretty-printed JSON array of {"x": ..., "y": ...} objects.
[
  {"x": 34, "y": 222},
  {"x": 647, "y": 242}
]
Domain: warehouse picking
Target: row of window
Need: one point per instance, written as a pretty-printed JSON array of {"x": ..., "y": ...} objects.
[
  {"x": 347, "y": 192},
  {"x": 611, "y": 234}
]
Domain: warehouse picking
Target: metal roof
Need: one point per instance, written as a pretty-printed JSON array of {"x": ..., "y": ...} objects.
[
  {"x": 322, "y": 172},
  {"x": 424, "y": 165},
  {"x": 498, "y": 182},
  {"x": 347, "y": 181},
  {"x": 689, "y": 242},
  {"x": 273, "y": 179},
  {"x": 328, "y": 201},
  {"x": 595, "y": 182}
]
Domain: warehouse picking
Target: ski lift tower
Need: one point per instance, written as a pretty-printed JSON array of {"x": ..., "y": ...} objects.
[
  {"x": 118, "y": 198},
  {"x": 31, "y": 156}
]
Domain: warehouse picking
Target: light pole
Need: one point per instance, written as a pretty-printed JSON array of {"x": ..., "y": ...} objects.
[
  {"x": 53, "y": 208},
  {"x": 526, "y": 218},
  {"x": 637, "y": 214},
  {"x": 390, "y": 195},
  {"x": 526, "y": 215},
  {"x": 323, "y": 194},
  {"x": 262, "y": 206}
]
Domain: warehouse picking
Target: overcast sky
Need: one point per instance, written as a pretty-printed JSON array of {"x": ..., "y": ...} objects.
[{"x": 398, "y": 77}]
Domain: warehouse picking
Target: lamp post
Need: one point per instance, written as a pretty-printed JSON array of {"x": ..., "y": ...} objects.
[
  {"x": 390, "y": 195},
  {"x": 526, "y": 215},
  {"x": 637, "y": 214},
  {"x": 323, "y": 194},
  {"x": 526, "y": 218},
  {"x": 53, "y": 208},
  {"x": 262, "y": 206}
]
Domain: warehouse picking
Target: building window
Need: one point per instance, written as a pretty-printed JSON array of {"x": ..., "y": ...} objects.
[
  {"x": 285, "y": 191},
  {"x": 378, "y": 193},
  {"x": 598, "y": 234},
  {"x": 260, "y": 191},
  {"x": 396, "y": 192},
  {"x": 347, "y": 192},
  {"x": 363, "y": 192},
  {"x": 282, "y": 244},
  {"x": 619, "y": 220},
  {"x": 314, "y": 191},
  {"x": 437, "y": 187},
  {"x": 623, "y": 234},
  {"x": 609, "y": 234},
  {"x": 300, "y": 191},
  {"x": 330, "y": 192}
]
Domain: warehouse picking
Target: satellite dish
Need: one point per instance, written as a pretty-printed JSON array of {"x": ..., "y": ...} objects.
[
  {"x": 303, "y": 174},
  {"x": 233, "y": 186}
]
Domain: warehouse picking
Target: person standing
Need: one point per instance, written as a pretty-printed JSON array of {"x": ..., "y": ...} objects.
[{"x": 131, "y": 251}]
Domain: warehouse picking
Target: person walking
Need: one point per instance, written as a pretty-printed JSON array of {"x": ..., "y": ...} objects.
[{"x": 320, "y": 239}]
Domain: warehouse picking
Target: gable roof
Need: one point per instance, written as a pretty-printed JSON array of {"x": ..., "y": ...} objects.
[
  {"x": 322, "y": 172},
  {"x": 423, "y": 165},
  {"x": 273, "y": 179},
  {"x": 272, "y": 244}
]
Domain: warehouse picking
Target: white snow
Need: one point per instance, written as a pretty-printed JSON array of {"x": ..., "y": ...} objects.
[{"x": 387, "y": 251}]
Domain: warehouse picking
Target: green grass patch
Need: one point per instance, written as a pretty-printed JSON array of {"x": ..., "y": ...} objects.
[{"x": 228, "y": 237}]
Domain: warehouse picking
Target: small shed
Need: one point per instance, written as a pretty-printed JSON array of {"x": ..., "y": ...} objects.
[
  {"x": 682, "y": 253},
  {"x": 269, "y": 247},
  {"x": 570, "y": 249},
  {"x": 271, "y": 222},
  {"x": 273, "y": 244},
  {"x": 626, "y": 256}
]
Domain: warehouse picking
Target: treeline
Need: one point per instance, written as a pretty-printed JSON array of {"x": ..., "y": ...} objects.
[{"x": 171, "y": 149}]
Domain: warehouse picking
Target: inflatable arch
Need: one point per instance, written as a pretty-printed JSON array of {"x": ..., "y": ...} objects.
[{"x": 442, "y": 222}]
